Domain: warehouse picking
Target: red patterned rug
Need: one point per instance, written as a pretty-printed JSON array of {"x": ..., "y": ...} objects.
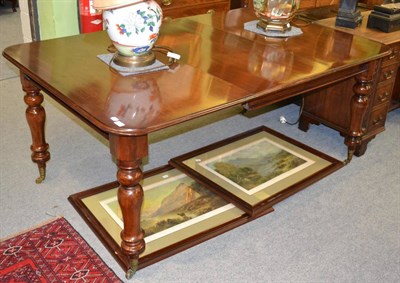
[{"x": 54, "y": 252}]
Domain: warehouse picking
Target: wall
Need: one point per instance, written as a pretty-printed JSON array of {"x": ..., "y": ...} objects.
[
  {"x": 25, "y": 20},
  {"x": 57, "y": 18}
]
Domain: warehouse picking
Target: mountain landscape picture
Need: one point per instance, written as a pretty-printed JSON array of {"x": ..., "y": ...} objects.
[
  {"x": 254, "y": 164},
  {"x": 170, "y": 203}
]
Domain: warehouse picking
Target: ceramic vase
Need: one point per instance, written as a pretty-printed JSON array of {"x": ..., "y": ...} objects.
[{"x": 134, "y": 28}]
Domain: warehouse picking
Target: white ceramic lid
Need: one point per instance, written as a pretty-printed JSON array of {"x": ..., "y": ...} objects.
[{"x": 112, "y": 4}]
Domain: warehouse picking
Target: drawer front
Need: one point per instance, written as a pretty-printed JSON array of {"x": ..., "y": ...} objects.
[
  {"x": 378, "y": 117},
  {"x": 182, "y": 8},
  {"x": 388, "y": 73},
  {"x": 383, "y": 93},
  {"x": 304, "y": 4},
  {"x": 394, "y": 57}
]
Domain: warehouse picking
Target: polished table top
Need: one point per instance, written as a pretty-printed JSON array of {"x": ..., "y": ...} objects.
[{"x": 222, "y": 65}]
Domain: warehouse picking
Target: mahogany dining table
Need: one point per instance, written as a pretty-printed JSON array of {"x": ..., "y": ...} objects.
[{"x": 222, "y": 65}]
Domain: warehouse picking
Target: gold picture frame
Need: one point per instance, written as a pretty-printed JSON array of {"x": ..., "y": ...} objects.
[{"x": 256, "y": 169}]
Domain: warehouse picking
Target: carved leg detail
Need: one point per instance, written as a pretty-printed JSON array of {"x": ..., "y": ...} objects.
[
  {"x": 130, "y": 198},
  {"x": 36, "y": 118},
  {"x": 358, "y": 108},
  {"x": 128, "y": 152}
]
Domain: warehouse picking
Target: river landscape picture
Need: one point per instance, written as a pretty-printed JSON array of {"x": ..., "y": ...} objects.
[
  {"x": 170, "y": 205},
  {"x": 252, "y": 166}
]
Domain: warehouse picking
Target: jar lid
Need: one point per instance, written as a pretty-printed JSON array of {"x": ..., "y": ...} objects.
[{"x": 112, "y": 4}]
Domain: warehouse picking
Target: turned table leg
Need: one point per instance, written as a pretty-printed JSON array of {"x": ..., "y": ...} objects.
[
  {"x": 36, "y": 117},
  {"x": 128, "y": 152},
  {"x": 358, "y": 108}
]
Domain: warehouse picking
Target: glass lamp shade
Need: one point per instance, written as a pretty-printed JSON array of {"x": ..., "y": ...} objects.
[
  {"x": 133, "y": 27},
  {"x": 267, "y": 62},
  {"x": 275, "y": 14},
  {"x": 139, "y": 97}
]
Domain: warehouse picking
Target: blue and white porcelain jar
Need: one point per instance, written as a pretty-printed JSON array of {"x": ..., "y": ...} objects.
[{"x": 134, "y": 28}]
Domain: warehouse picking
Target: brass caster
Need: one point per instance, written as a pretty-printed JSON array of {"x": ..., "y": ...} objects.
[
  {"x": 349, "y": 157},
  {"x": 129, "y": 274},
  {"x": 132, "y": 269},
  {"x": 42, "y": 175}
]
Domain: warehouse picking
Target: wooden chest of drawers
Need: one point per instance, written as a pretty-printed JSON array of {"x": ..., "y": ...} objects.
[
  {"x": 385, "y": 93},
  {"x": 181, "y": 8},
  {"x": 382, "y": 99},
  {"x": 390, "y": 75}
]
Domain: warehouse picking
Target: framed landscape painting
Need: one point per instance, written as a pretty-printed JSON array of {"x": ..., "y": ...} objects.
[
  {"x": 176, "y": 213},
  {"x": 256, "y": 169}
]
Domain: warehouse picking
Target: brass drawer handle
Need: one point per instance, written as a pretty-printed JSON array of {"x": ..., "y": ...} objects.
[
  {"x": 211, "y": 11},
  {"x": 394, "y": 54},
  {"x": 377, "y": 121},
  {"x": 166, "y": 2},
  {"x": 388, "y": 75},
  {"x": 384, "y": 96}
]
